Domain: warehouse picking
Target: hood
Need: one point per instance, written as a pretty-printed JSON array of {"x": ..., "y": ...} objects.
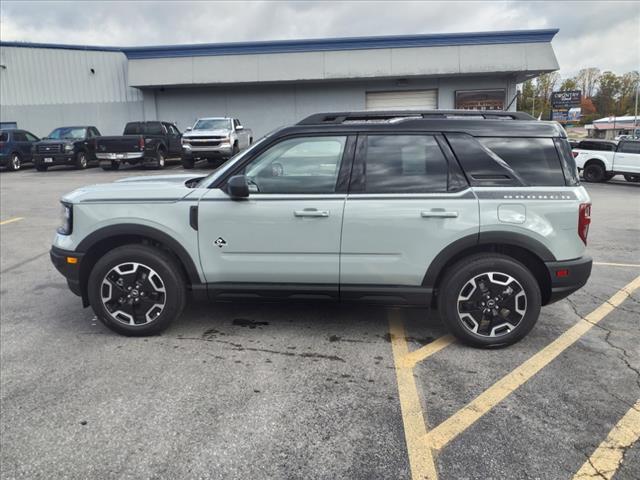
[
  {"x": 206, "y": 133},
  {"x": 147, "y": 189}
]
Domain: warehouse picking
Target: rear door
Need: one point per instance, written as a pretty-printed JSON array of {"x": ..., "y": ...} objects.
[
  {"x": 22, "y": 144},
  {"x": 173, "y": 139},
  {"x": 407, "y": 202},
  {"x": 627, "y": 158}
]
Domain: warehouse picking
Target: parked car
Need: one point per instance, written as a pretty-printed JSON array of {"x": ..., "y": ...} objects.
[
  {"x": 16, "y": 148},
  {"x": 216, "y": 139},
  {"x": 150, "y": 144},
  {"x": 66, "y": 146},
  {"x": 483, "y": 217},
  {"x": 601, "y": 160}
]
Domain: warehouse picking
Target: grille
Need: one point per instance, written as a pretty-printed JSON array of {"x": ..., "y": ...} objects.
[
  {"x": 204, "y": 142},
  {"x": 49, "y": 148}
]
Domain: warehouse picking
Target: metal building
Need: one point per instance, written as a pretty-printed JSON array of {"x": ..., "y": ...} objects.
[{"x": 265, "y": 84}]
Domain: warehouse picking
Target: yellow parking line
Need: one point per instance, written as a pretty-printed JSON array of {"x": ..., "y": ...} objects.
[
  {"x": 617, "y": 264},
  {"x": 11, "y": 220},
  {"x": 607, "y": 458},
  {"x": 463, "y": 419},
  {"x": 412, "y": 358},
  {"x": 421, "y": 460}
]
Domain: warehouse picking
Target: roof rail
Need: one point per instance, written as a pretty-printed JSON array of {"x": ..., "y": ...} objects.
[{"x": 370, "y": 116}]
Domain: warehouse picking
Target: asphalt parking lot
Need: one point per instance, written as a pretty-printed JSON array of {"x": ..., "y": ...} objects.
[{"x": 307, "y": 391}]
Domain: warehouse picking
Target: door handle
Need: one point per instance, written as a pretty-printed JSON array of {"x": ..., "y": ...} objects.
[
  {"x": 311, "y": 212},
  {"x": 438, "y": 214}
]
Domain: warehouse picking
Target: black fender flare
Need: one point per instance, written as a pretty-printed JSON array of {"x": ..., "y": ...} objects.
[
  {"x": 143, "y": 231},
  {"x": 484, "y": 238}
]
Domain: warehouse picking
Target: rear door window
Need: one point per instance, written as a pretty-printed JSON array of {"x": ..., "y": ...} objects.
[
  {"x": 19, "y": 137},
  {"x": 154, "y": 128},
  {"x": 132, "y": 128},
  {"x": 535, "y": 160},
  {"x": 403, "y": 164},
  {"x": 4, "y": 137}
]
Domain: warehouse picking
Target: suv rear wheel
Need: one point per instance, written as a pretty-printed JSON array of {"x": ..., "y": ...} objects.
[
  {"x": 489, "y": 300},
  {"x": 136, "y": 290}
]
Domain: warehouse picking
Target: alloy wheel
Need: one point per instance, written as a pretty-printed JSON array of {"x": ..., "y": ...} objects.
[
  {"x": 492, "y": 304},
  {"x": 15, "y": 162},
  {"x": 133, "y": 293}
]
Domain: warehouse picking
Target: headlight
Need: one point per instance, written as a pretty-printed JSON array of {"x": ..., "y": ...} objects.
[
  {"x": 66, "y": 219},
  {"x": 68, "y": 147}
]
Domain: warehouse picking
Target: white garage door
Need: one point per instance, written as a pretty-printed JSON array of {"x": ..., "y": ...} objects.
[{"x": 403, "y": 100}]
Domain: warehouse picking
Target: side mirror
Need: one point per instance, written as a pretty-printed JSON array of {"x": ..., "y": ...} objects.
[
  {"x": 239, "y": 127},
  {"x": 189, "y": 129},
  {"x": 238, "y": 187}
]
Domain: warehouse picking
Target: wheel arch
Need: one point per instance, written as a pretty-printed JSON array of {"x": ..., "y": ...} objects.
[
  {"x": 96, "y": 244},
  {"x": 530, "y": 252}
]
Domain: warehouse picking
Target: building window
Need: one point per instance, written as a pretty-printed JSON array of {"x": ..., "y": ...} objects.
[{"x": 481, "y": 99}]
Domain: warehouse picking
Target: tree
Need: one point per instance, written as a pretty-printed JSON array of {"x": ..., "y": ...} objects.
[
  {"x": 629, "y": 84},
  {"x": 526, "y": 100},
  {"x": 587, "y": 106},
  {"x": 587, "y": 79},
  {"x": 545, "y": 85},
  {"x": 608, "y": 96},
  {"x": 569, "y": 84}
]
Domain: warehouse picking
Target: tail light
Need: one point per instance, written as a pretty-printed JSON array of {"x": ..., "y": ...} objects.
[
  {"x": 141, "y": 142},
  {"x": 584, "y": 220},
  {"x": 574, "y": 153}
]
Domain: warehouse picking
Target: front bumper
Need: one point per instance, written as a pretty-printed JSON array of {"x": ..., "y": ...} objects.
[
  {"x": 193, "y": 151},
  {"x": 70, "y": 270},
  {"x": 53, "y": 159},
  {"x": 568, "y": 276}
]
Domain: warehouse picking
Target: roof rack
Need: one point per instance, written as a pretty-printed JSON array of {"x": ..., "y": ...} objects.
[{"x": 333, "y": 118}]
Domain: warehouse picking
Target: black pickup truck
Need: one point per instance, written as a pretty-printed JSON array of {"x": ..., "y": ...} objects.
[
  {"x": 149, "y": 144},
  {"x": 73, "y": 146}
]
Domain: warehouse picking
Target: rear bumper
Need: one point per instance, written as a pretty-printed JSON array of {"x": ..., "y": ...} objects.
[
  {"x": 568, "y": 276},
  {"x": 70, "y": 271},
  {"x": 119, "y": 156},
  {"x": 56, "y": 159}
]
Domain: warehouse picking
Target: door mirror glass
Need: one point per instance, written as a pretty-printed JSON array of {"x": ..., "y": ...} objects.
[{"x": 238, "y": 187}]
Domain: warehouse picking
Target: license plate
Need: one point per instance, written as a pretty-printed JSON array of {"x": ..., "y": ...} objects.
[{"x": 48, "y": 160}]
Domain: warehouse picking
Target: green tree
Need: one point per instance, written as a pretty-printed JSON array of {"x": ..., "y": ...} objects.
[
  {"x": 545, "y": 85},
  {"x": 629, "y": 84},
  {"x": 607, "y": 99},
  {"x": 569, "y": 84}
]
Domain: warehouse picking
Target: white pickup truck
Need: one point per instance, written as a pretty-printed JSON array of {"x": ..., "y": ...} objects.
[
  {"x": 214, "y": 138},
  {"x": 601, "y": 160}
]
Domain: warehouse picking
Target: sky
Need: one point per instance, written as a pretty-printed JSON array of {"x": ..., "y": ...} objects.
[{"x": 603, "y": 34}]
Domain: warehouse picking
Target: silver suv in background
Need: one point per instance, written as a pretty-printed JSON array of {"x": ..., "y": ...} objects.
[
  {"x": 480, "y": 214},
  {"x": 216, "y": 139}
]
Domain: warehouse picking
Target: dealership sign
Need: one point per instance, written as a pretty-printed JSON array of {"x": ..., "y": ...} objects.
[{"x": 566, "y": 99}]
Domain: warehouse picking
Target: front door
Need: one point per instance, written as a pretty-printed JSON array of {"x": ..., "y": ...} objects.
[
  {"x": 287, "y": 232},
  {"x": 627, "y": 158},
  {"x": 407, "y": 203}
]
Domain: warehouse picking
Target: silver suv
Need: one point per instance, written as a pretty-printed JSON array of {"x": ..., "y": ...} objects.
[{"x": 479, "y": 214}]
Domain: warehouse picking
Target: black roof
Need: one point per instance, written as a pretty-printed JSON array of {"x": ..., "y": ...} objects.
[{"x": 478, "y": 123}]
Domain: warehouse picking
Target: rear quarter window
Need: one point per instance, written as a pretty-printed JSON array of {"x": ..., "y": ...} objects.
[
  {"x": 132, "y": 128},
  {"x": 4, "y": 137},
  {"x": 535, "y": 160}
]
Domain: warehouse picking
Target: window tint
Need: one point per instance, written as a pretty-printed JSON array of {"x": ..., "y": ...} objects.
[
  {"x": 95, "y": 132},
  {"x": 298, "y": 165},
  {"x": 153, "y": 128},
  {"x": 31, "y": 137},
  {"x": 19, "y": 137},
  {"x": 535, "y": 160},
  {"x": 172, "y": 129},
  {"x": 404, "y": 164},
  {"x": 630, "y": 147},
  {"x": 132, "y": 128},
  {"x": 599, "y": 146},
  {"x": 4, "y": 136}
]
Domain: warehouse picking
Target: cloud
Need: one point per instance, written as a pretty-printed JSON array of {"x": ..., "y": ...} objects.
[{"x": 602, "y": 34}]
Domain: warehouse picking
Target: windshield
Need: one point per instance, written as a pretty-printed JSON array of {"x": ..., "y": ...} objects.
[
  {"x": 209, "y": 178},
  {"x": 213, "y": 124},
  {"x": 67, "y": 133}
]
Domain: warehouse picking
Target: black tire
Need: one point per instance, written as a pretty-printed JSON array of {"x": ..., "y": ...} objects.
[
  {"x": 161, "y": 160},
  {"x": 111, "y": 166},
  {"x": 235, "y": 150},
  {"x": 632, "y": 178},
  {"x": 457, "y": 282},
  {"x": 150, "y": 259},
  {"x": 81, "y": 161},
  {"x": 188, "y": 163},
  {"x": 594, "y": 172},
  {"x": 250, "y": 141},
  {"x": 15, "y": 162},
  {"x": 41, "y": 168}
]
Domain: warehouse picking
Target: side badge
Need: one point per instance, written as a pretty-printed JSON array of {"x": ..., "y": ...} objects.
[{"x": 220, "y": 242}]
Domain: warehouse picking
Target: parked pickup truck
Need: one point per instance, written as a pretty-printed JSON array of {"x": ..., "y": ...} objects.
[
  {"x": 215, "y": 138},
  {"x": 149, "y": 144},
  {"x": 601, "y": 160},
  {"x": 73, "y": 146}
]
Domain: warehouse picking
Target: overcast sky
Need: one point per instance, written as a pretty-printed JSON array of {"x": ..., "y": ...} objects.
[{"x": 604, "y": 34}]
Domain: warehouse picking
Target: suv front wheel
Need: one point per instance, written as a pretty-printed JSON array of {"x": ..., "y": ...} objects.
[
  {"x": 489, "y": 300},
  {"x": 136, "y": 290}
]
